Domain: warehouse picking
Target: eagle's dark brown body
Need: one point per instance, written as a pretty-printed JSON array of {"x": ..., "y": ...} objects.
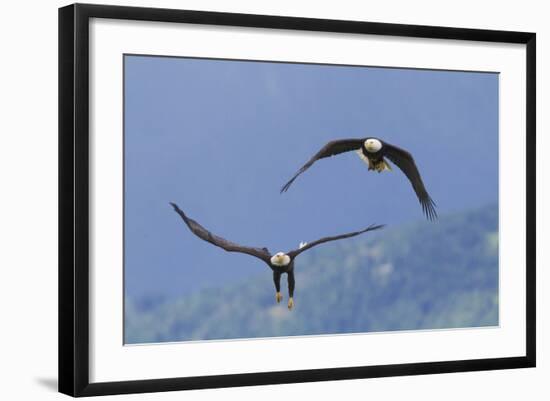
[
  {"x": 375, "y": 160},
  {"x": 278, "y": 272},
  {"x": 282, "y": 269}
]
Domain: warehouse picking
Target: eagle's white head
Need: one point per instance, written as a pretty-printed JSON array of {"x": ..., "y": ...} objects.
[
  {"x": 280, "y": 259},
  {"x": 373, "y": 145}
]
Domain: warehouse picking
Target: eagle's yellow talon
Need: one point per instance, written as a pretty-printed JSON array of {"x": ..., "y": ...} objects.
[
  {"x": 278, "y": 297},
  {"x": 290, "y": 304}
]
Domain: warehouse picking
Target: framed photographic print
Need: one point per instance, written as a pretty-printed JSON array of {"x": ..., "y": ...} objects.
[{"x": 251, "y": 199}]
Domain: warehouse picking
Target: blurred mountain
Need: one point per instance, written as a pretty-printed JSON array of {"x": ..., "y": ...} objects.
[{"x": 419, "y": 276}]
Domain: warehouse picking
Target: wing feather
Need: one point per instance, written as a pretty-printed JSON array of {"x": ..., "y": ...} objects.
[
  {"x": 204, "y": 234},
  {"x": 311, "y": 244},
  {"x": 330, "y": 149},
  {"x": 404, "y": 160}
]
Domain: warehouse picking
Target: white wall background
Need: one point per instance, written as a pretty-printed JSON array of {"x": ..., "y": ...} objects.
[{"x": 28, "y": 199}]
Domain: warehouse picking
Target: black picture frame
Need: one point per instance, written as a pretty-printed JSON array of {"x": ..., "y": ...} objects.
[{"x": 74, "y": 197}]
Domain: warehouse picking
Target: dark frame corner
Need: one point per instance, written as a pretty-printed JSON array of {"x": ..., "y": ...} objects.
[{"x": 74, "y": 191}]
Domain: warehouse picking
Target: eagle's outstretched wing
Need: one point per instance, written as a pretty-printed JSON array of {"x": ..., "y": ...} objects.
[
  {"x": 311, "y": 244},
  {"x": 204, "y": 234},
  {"x": 330, "y": 149},
  {"x": 405, "y": 162}
]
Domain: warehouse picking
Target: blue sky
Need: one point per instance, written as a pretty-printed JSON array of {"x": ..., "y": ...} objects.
[{"x": 220, "y": 138}]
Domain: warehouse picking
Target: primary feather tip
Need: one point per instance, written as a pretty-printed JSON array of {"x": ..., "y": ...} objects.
[
  {"x": 375, "y": 227},
  {"x": 177, "y": 209}
]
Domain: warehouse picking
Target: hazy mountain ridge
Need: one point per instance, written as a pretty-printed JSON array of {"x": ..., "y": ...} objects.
[{"x": 420, "y": 276}]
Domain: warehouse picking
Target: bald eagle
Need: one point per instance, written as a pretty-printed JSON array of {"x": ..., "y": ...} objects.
[
  {"x": 372, "y": 151},
  {"x": 279, "y": 263}
]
